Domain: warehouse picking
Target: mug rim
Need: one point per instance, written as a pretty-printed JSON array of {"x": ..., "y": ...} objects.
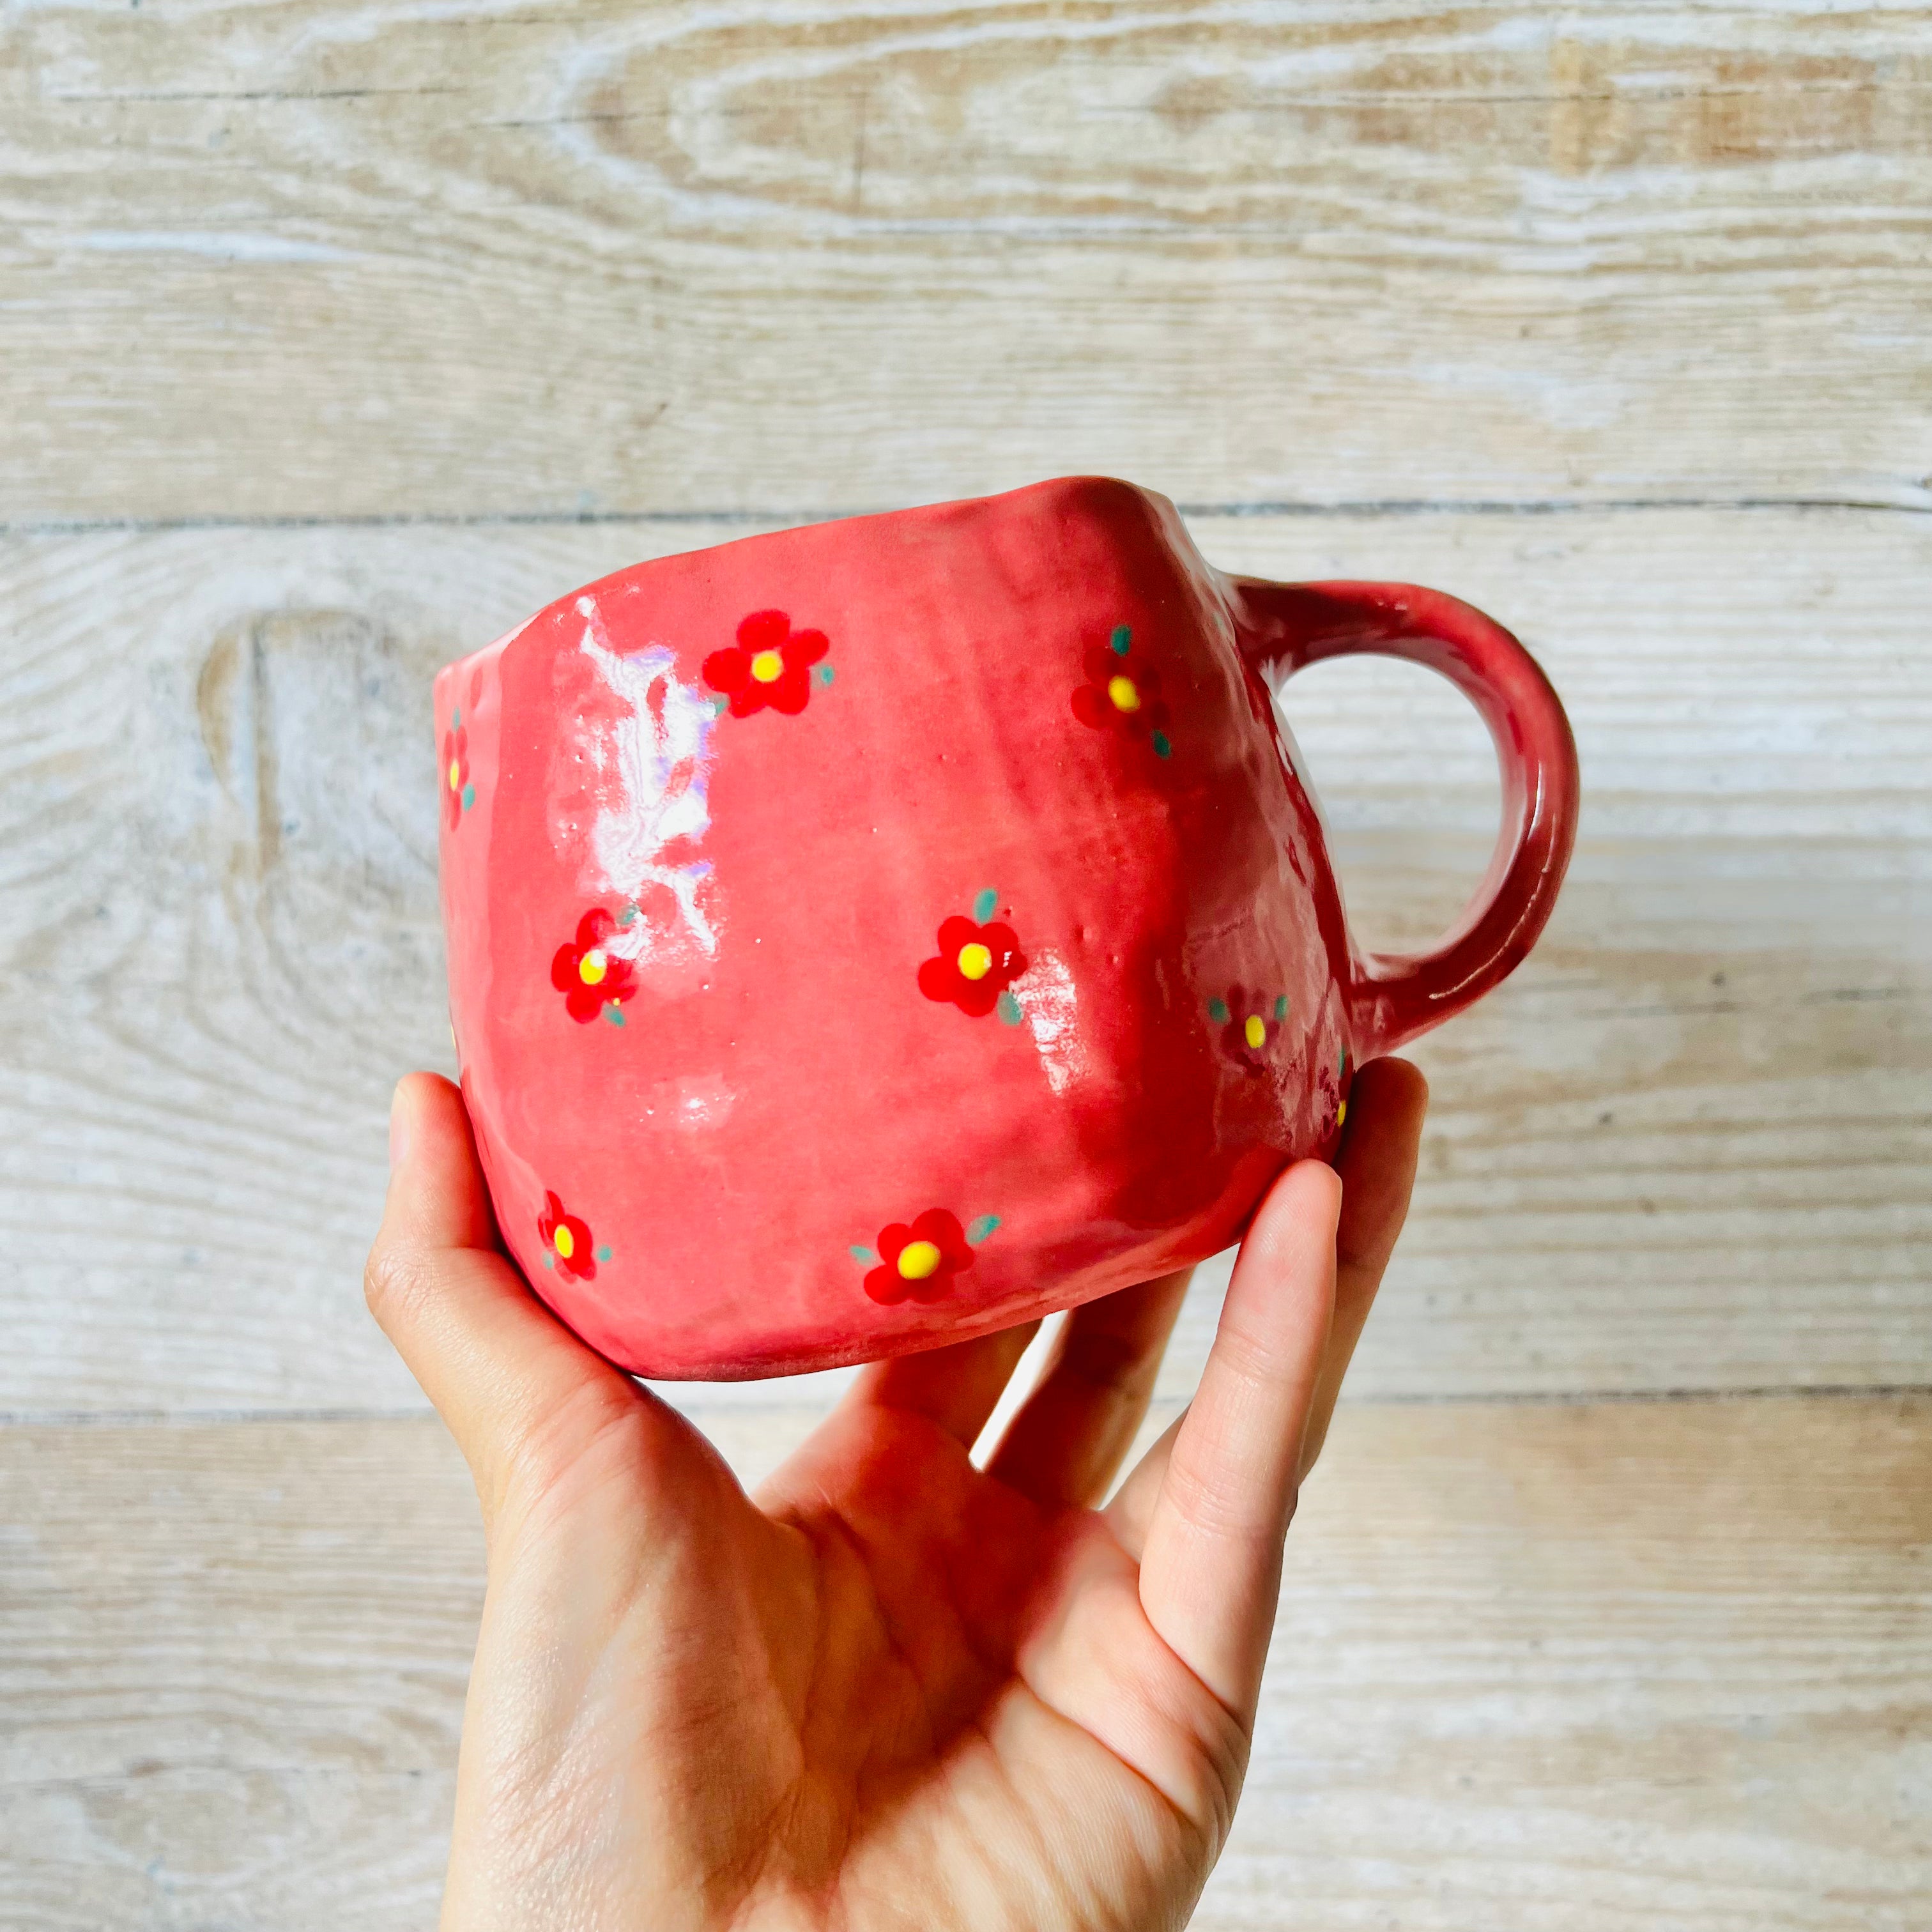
[{"x": 1081, "y": 481}]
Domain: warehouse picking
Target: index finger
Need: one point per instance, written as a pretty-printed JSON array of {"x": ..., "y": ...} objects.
[{"x": 1377, "y": 1164}]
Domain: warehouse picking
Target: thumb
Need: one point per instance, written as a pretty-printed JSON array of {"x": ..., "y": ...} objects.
[{"x": 509, "y": 1380}]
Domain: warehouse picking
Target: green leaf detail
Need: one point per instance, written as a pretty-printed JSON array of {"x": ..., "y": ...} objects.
[
  {"x": 456, "y": 718},
  {"x": 825, "y": 673},
  {"x": 1217, "y": 1010},
  {"x": 604, "y": 1253},
  {"x": 1163, "y": 746},
  {"x": 613, "y": 1012},
  {"x": 1122, "y": 638},
  {"x": 628, "y": 915},
  {"x": 978, "y": 1231},
  {"x": 469, "y": 796},
  {"x": 865, "y": 1255},
  {"x": 550, "y": 1260},
  {"x": 1008, "y": 1010},
  {"x": 985, "y": 905},
  {"x": 719, "y": 705},
  {"x": 1281, "y": 1006}
]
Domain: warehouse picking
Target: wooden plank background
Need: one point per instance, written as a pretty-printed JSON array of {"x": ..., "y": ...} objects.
[
  {"x": 311, "y": 256},
  {"x": 337, "y": 337},
  {"x": 1537, "y": 1665}
]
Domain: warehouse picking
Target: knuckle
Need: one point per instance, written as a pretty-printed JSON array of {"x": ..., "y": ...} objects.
[
  {"x": 1214, "y": 1506},
  {"x": 1250, "y": 1357},
  {"x": 394, "y": 1281},
  {"x": 1225, "y": 1744}
]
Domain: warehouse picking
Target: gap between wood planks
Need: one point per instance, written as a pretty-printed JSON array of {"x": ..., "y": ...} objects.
[
  {"x": 189, "y": 1418},
  {"x": 1367, "y": 509}
]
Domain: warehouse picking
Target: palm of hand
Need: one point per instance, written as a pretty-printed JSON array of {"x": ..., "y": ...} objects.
[{"x": 895, "y": 1689}]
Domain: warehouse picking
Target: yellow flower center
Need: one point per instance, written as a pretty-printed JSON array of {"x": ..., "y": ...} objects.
[
  {"x": 563, "y": 1243},
  {"x": 917, "y": 1260},
  {"x": 1256, "y": 1032},
  {"x": 591, "y": 966},
  {"x": 975, "y": 961},
  {"x": 1125, "y": 693},
  {"x": 768, "y": 667},
  {"x": 1341, "y": 1113},
  {"x": 455, "y": 775}
]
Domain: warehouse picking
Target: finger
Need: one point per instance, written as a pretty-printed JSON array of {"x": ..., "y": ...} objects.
[
  {"x": 496, "y": 1363},
  {"x": 958, "y": 1387},
  {"x": 1386, "y": 1107},
  {"x": 1211, "y": 1565},
  {"x": 1068, "y": 1437},
  {"x": 1377, "y": 1165},
  {"x": 1130, "y": 1512}
]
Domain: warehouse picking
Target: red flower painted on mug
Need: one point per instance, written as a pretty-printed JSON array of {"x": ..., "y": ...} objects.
[
  {"x": 771, "y": 664},
  {"x": 917, "y": 1263},
  {"x": 458, "y": 794},
  {"x": 1122, "y": 693},
  {"x": 591, "y": 978},
  {"x": 1250, "y": 1022},
  {"x": 979, "y": 959},
  {"x": 568, "y": 1245}
]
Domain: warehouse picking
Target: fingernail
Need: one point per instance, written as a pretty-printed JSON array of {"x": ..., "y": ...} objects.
[{"x": 399, "y": 1128}]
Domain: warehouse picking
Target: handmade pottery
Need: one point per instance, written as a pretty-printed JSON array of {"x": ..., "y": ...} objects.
[{"x": 865, "y": 936}]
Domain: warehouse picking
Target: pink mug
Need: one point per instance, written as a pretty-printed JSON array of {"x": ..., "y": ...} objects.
[{"x": 866, "y": 936}]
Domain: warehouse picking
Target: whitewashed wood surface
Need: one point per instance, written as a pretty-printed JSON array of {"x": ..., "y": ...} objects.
[
  {"x": 336, "y": 336},
  {"x": 312, "y": 256},
  {"x": 1624, "y": 1665}
]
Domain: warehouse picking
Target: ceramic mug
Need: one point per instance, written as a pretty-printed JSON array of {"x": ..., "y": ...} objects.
[{"x": 865, "y": 936}]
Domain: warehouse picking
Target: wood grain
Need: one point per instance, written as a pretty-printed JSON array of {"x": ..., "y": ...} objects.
[
  {"x": 326, "y": 321},
  {"x": 1634, "y": 1664},
  {"x": 1689, "y": 1146},
  {"x": 327, "y": 257}
]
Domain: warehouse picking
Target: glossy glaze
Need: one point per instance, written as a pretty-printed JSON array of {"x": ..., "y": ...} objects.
[{"x": 867, "y": 935}]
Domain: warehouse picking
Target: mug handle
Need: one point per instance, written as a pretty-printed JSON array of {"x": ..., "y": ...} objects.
[{"x": 1282, "y": 627}]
